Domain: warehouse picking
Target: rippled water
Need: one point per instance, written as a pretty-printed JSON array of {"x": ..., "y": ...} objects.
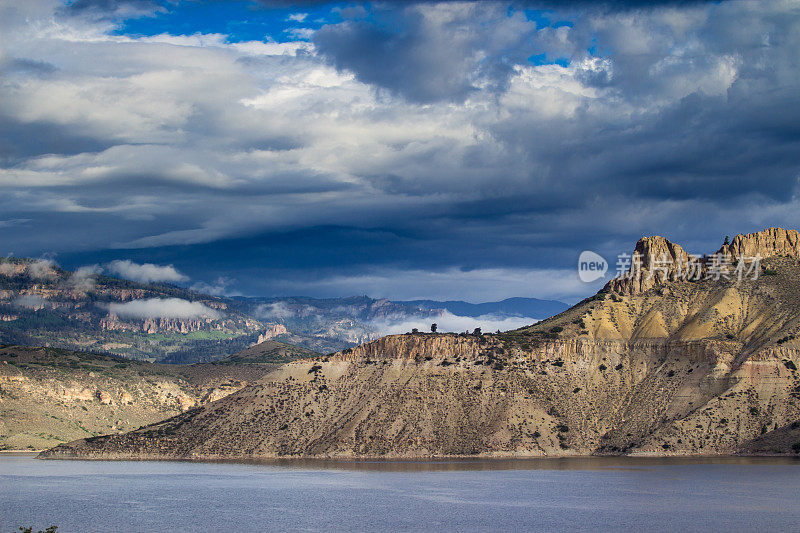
[{"x": 485, "y": 495}]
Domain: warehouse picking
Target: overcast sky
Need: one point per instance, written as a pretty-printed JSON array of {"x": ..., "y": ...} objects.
[{"x": 403, "y": 150}]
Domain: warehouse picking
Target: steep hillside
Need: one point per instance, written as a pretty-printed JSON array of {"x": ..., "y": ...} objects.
[
  {"x": 49, "y": 395},
  {"x": 650, "y": 365}
]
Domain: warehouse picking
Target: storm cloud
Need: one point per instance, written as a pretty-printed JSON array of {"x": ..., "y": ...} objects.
[
  {"x": 404, "y": 141},
  {"x": 431, "y": 52}
]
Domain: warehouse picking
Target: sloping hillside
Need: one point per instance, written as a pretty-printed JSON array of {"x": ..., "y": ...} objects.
[
  {"x": 49, "y": 395},
  {"x": 670, "y": 366},
  {"x": 270, "y": 352}
]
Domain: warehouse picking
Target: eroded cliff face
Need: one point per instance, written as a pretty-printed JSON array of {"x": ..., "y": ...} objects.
[
  {"x": 446, "y": 395},
  {"x": 767, "y": 243},
  {"x": 657, "y": 262},
  {"x": 271, "y": 332},
  {"x": 677, "y": 367},
  {"x": 654, "y": 262}
]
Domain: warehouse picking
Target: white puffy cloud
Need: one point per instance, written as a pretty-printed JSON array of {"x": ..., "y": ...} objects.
[
  {"x": 83, "y": 278},
  {"x": 30, "y": 301},
  {"x": 162, "y": 308},
  {"x": 275, "y": 310},
  {"x": 7, "y": 269},
  {"x": 220, "y": 287},
  {"x": 145, "y": 273},
  {"x": 87, "y": 270},
  {"x": 449, "y": 322},
  {"x": 41, "y": 269}
]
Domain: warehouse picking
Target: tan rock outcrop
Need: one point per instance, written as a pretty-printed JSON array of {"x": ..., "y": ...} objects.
[
  {"x": 73, "y": 394},
  {"x": 273, "y": 330},
  {"x": 656, "y": 261},
  {"x": 767, "y": 243},
  {"x": 104, "y": 398}
]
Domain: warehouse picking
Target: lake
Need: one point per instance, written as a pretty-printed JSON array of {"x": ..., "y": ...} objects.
[{"x": 621, "y": 494}]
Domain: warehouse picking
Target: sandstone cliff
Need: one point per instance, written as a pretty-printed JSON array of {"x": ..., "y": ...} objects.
[
  {"x": 675, "y": 367},
  {"x": 273, "y": 330},
  {"x": 770, "y": 242}
]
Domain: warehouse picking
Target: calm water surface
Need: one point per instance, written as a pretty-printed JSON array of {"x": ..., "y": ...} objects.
[{"x": 542, "y": 495}]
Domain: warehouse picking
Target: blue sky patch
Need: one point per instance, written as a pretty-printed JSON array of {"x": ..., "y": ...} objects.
[{"x": 239, "y": 20}]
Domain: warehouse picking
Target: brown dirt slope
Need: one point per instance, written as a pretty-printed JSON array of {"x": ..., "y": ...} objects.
[{"x": 49, "y": 395}]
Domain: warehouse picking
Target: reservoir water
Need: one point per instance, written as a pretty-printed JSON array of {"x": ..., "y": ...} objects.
[{"x": 619, "y": 494}]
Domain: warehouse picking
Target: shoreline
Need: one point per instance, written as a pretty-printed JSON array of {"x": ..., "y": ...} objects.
[
  {"x": 476, "y": 464},
  {"x": 408, "y": 459},
  {"x": 21, "y": 452}
]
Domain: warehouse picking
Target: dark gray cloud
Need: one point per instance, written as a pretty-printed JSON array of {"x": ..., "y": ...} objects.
[
  {"x": 20, "y": 140},
  {"x": 13, "y": 66},
  {"x": 114, "y": 8},
  {"x": 107, "y": 5},
  {"x": 427, "y": 52},
  {"x": 412, "y": 145}
]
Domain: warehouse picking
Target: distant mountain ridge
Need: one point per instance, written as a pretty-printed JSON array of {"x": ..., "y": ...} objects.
[
  {"x": 44, "y": 305},
  {"x": 350, "y": 321},
  {"x": 521, "y": 307}
]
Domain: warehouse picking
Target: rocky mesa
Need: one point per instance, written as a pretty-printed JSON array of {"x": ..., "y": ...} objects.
[{"x": 656, "y": 363}]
